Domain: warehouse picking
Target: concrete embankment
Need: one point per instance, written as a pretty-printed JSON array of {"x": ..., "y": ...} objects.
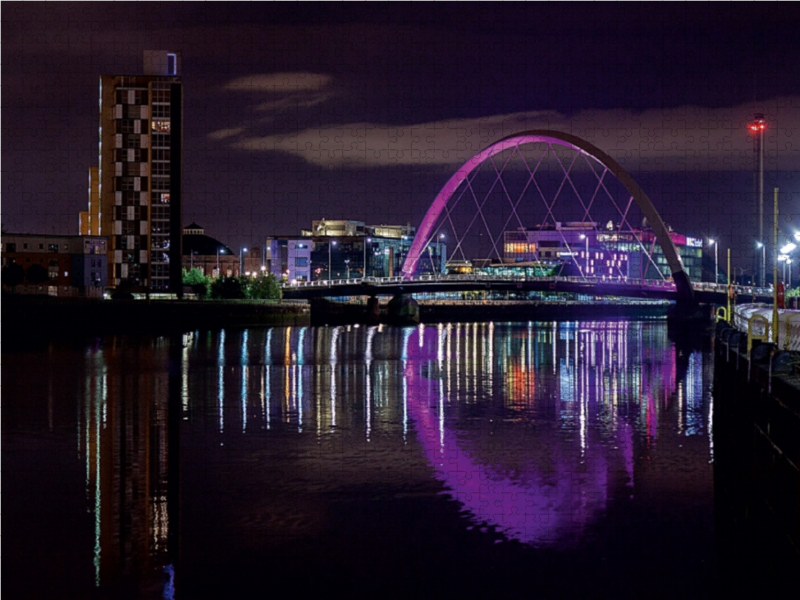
[
  {"x": 42, "y": 318},
  {"x": 757, "y": 452}
]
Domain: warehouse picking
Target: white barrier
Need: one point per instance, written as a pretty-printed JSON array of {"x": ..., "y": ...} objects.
[{"x": 788, "y": 320}]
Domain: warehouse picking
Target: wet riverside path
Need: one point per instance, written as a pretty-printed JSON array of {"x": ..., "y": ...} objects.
[{"x": 558, "y": 460}]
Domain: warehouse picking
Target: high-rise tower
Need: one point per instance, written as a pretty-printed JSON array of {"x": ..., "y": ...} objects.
[{"x": 139, "y": 180}]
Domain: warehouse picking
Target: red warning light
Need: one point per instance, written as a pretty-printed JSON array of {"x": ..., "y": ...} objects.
[{"x": 760, "y": 124}]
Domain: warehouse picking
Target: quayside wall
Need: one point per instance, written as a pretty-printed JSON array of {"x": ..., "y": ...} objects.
[
  {"x": 756, "y": 441},
  {"x": 42, "y": 318}
]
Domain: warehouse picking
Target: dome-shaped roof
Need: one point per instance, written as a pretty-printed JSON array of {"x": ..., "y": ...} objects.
[{"x": 204, "y": 245}]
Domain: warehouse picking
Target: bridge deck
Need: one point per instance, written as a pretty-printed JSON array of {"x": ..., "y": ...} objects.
[{"x": 632, "y": 288}]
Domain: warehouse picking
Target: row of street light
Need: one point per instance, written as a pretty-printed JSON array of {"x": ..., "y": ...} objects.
[{"x": 783, "y": 257}]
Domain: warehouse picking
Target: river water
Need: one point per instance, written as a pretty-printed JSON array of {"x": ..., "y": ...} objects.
[{"x": 556, "y": 459}]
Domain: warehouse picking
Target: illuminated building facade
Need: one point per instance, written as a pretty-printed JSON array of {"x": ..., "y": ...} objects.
[
  {"x": 348, "y": 250},
  {"x": 582, "y": 248},
  {"x": 58, "y": 265},
  {"x": 135, "y": 196}
]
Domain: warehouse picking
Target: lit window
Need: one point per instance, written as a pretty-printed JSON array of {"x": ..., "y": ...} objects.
[{"x": 160, "y": 126}]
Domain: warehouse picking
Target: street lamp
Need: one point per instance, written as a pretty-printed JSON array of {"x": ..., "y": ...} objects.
[
  {"x": 757, "y": 127},
  {"x": 763, "y": 247},
  {"x": 330, "y": 245},
  {"x": 241, "y": 261},
  {"x": 783, "y": 258},
  {"x": 364, "y": 271},
  {"x": 586, "y": 238},
  {"x": 788, "y": 260},
  {"x": 716, "y": 263}
]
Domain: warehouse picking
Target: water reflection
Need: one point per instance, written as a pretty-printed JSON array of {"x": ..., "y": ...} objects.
[{"x": 535, "y": 428}]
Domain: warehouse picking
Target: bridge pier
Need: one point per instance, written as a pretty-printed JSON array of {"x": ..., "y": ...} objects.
[
  {"x": 373, "y": 315},
  {"x": 402, "y": 310}
]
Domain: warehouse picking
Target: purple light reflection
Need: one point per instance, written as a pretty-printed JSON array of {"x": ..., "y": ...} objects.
[{"x": 537, "y": 488}]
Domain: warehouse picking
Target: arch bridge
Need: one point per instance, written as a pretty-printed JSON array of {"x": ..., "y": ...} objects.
[{"x": 599, "y": 163}]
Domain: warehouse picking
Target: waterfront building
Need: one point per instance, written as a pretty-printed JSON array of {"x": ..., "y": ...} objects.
[
  {"x": 579, "y": 248},
  {"x": 135, "y": 193},
  {"x": 209, "y": 255},
  {"x": 346, "y": 249},
  {"x": 57, "y": 265}
]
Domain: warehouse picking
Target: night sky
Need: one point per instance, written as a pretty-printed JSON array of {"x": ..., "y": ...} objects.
[{"x": 299, "y": 111}]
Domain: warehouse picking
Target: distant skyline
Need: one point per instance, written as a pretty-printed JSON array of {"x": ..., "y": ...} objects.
[{"x": 299, "y": 111}]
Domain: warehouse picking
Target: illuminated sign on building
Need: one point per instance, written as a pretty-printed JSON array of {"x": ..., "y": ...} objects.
[{"x": 694, "y": 242}]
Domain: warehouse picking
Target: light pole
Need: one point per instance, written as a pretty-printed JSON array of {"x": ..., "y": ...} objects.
[
  {"x": 787, "y": 260},
  {"x": 241, "y": 260},
  {"x": 757, "y": 127},
  {"x": 782, "y": 258},
  {"x": 763, "y": 248},
  {"x": 364, "y": 270},
  {"x": 716, "y": 263},
  {"x": 330, "y": 245}
]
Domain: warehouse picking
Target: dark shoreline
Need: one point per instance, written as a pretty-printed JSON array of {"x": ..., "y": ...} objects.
[
  {"x": 26, "y": 318},
  {"x": 333, "y": 313},
  {"x": 29, "y": 318}
]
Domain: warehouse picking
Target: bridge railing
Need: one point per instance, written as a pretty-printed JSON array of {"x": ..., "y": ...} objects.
[{"x": 657, "y": 284}]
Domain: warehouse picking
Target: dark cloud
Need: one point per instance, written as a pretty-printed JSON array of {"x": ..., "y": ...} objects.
[{"x": 363, "y": 109}]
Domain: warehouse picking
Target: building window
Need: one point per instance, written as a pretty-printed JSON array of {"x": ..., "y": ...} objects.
[
  {"x": 11, "y": 247},
  {"x": 160, "y": 140},
  {"x": 172, "y": 64},
  {"x": 301, "y": 261},
  {"x": 159, "y": 126},
  {"x": 160, "y": 111},
  {"x": 160, "y": 168},
  {"x": 52, "y": 247},
  {"x": 160, "y": 94},
  {"x": 161, "y": 154}
]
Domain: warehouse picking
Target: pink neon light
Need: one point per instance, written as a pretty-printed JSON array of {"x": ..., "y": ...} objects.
[{"x": 550, "y": 137}]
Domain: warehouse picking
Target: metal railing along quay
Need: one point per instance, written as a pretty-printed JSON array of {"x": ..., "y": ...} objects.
[{"x": 660, "y": 284}]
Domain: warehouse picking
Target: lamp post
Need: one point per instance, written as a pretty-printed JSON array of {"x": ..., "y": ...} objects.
[
  {"x": 364, "y": 270},
  {"x": 716, "y": 263},
  {"x": 241, "y": 260},
  {"x": 787, "y": 260},
  {"x": 784, "y": 259},
  {"x": 757, "y": 127},
  {"x": 763, "y": 248},
  {"x": 330, "y": 245}
]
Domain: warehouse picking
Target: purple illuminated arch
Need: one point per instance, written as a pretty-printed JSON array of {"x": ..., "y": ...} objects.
[{"x": 421, "y": 240}]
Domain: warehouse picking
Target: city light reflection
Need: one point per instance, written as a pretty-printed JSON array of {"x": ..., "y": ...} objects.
[{"x": 581, "y": 403}]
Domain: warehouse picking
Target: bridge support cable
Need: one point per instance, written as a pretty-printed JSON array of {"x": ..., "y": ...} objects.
[
  {"x": 505, "y": 182},
  {"x": 498, "y": 178}
]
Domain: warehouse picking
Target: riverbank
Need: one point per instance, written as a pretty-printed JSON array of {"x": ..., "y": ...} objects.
[
  {"x": 324, "y": 312},
  {"x": 32, "y": 317},
  {"x": 757, "y": 455}
]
